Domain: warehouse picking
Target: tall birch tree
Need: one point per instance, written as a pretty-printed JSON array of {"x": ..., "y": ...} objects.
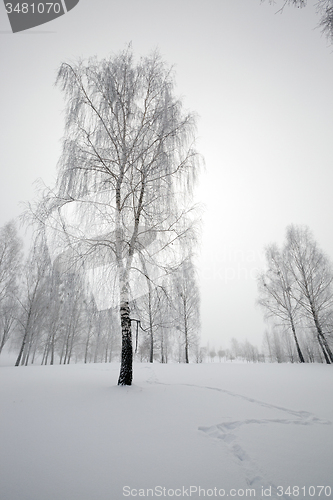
[{"x": 126, "y": 173}]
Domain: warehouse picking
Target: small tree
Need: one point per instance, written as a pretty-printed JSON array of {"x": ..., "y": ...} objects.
[
  {"x": 273, "y": 345},
  {"x": 186, "y": 299},
  {"x": 212, "y": 354},
  {"x": 236, "y": 348},
  {"x": 221, "y": 354}
]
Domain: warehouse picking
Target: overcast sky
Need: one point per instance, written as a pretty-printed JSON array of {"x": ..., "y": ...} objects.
[{"x": 261, "y": 84}]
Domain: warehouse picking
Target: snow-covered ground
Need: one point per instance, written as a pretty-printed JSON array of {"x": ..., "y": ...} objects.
[{"x": 207, "y": 430}]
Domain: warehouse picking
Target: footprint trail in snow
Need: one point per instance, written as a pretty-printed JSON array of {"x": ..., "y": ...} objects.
[
  {"x": 227, "y": 432},
  {"x": 252, "y": 471}
]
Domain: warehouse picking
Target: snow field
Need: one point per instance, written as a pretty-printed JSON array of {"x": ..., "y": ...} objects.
[{"x": 70, "y": 433}]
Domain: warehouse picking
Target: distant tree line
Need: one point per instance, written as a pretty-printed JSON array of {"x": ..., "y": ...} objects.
[
  {"x": 243, "y": 351},
  {"x": 48, "y": 315}
]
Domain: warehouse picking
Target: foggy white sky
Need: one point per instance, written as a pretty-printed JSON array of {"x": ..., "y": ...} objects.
[{"x": 261, "y": 84}]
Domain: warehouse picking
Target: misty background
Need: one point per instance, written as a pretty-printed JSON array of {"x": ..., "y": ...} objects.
[{"x": 261, "y": 83}]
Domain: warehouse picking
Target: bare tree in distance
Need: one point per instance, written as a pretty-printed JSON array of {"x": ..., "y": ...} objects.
[
  {"x": 324, "y": 10},
  {"x": 125, "y": 176},
  {"x": 10, "y": 258},
  {"x": 313, "y": 281},
  {"x": 10, "y": 265},
  {"x": 273, "y": 345},
  {"x": 187, "y": 305},
  {"x": 156, "y": 320},
  {"x": 276, "y": 297},
  {"x": 34, "y": 297}
]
